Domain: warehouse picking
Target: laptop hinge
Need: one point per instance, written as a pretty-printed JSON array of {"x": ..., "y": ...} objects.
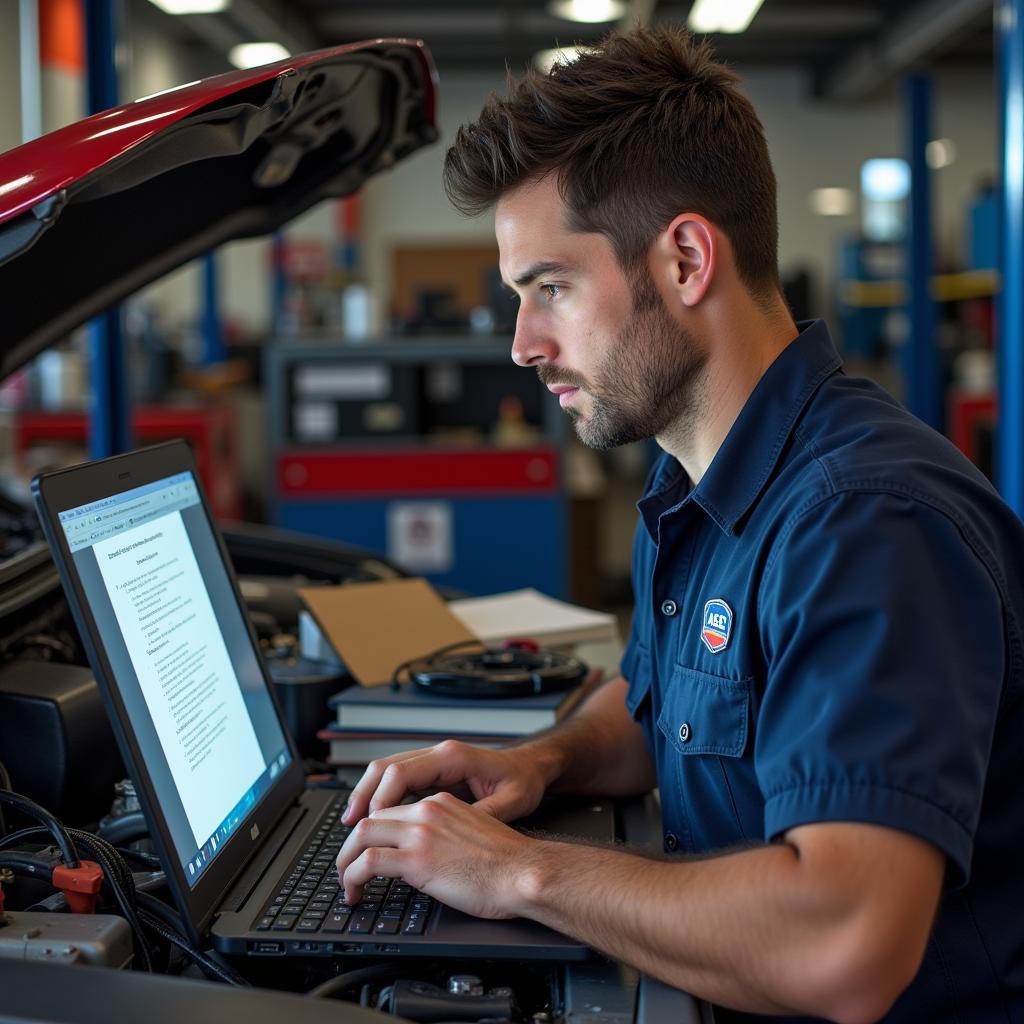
[{"x": 250, "y": 877}]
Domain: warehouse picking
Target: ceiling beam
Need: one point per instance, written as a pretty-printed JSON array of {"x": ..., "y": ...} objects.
[{"x": 926, "y": 28}]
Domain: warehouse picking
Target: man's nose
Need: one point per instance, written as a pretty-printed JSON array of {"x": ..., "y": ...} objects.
[{"x": 532, "y": 345}]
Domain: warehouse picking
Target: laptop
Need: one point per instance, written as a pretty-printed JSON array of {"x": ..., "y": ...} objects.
[{"x": 248, "y": 849}]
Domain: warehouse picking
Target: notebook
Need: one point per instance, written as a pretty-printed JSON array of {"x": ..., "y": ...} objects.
[{"x": 247, "y": 848}]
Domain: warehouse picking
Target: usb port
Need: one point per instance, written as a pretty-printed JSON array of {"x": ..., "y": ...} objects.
[{"x": 267, "y": 949}]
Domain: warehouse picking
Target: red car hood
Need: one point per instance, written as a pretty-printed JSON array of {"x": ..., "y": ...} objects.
[{"x": 94, "y": 211}]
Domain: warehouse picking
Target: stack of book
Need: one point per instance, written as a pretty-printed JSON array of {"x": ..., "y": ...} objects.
[{"x": 376, "y": 722}]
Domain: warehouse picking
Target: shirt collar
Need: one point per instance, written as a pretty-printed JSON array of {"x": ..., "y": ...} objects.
[{"x": 751, "y": 450}]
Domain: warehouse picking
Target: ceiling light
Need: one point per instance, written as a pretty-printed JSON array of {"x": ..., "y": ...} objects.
[
  {"x": 192, "y": 6},
  {"x": 832, "y": 202},
  {"x": 722, "y": 15},
  {"x": 252, "y": 55},
  {"x": 545, "y": 60},
  {"x": 885, "y": 179},
  {"x": 940, "y": 153},
  {"x": 590, "y": 11}
]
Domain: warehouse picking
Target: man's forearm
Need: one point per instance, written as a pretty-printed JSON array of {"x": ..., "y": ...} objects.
[
  {"x": 598, "y": 749},
  {"x": 752, "y": 930}
]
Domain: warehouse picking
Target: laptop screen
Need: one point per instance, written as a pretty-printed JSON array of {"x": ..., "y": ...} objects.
[{"x": 182, "y": 658}]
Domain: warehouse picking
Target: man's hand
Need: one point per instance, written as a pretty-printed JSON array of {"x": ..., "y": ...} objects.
[
  {"x": 506, "y": 784},
  {"x": 450, "y": 850}
]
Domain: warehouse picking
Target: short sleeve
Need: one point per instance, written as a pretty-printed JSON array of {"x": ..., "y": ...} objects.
[{"x": 884, "y": 636}]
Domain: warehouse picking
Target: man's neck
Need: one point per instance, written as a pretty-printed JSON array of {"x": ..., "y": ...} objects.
[{"x": 739, "y": 353}]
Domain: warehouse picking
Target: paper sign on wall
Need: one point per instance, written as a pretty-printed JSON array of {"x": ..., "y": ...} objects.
[{"x": 421, "y": 535}]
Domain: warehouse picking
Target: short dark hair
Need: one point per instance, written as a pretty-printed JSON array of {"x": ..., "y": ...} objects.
[{"x": 644, "y": 127}]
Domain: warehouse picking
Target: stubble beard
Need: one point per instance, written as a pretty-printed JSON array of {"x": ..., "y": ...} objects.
[{"x": 650, "y": 383}]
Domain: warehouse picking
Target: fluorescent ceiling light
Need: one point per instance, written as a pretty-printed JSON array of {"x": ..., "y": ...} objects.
[
  {"x": 252, "y": 55},
  {"x": 832, "y": 202},
  {"x": 940, "y": 153},
  {"x": 722, "y": 15},
  {"x": 545, "y": 60},
  {"x": 590, "y": 11},
  {"x": 192, "y": 6},
  {"x": 885, "y": 179}
]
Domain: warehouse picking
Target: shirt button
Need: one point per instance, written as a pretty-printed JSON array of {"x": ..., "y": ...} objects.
[
  {"x": 671, "y": 842},
  {"x": 685, "y": 732},
  {"x": 669, "y": 607}
]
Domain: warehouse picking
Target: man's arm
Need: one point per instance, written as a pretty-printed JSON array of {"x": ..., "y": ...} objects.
[
  {"x": 598, "y": 749},
  {"x": 832, "y": 922}
]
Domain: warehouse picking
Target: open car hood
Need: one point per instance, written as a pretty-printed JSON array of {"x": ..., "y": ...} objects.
[{"x": 96, "y": 210}]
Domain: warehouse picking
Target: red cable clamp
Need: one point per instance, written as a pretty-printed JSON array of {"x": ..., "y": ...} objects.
[{"x": 80, "y": 885}]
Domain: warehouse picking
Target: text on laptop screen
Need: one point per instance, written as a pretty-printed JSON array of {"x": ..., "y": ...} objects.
[{"x": 182, "y": 659}]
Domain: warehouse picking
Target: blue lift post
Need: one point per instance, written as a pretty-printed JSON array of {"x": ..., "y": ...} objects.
[
  {"x": 110, "y": 414},
  {"x": 211, "y": 328},
  {"x": 1009, "y": 440},
  {"x": 920, "y": 357}
]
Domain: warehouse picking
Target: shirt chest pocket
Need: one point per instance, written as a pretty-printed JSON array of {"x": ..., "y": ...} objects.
[
  {"x": 709, "y": 790},
  {"x": 706, "y": 714}
]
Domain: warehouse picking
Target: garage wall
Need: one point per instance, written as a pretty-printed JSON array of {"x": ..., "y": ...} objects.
[
  {"x": 812, "y": 144},
  {"x": 816, "y": 145},
  {"x": 408, "y": 204},
  {"x": 155, "y": 62},
  {"x": 10, "y": 88}
]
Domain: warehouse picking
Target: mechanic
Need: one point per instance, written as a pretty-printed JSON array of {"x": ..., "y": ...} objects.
[{"x": 824, "y": 673}]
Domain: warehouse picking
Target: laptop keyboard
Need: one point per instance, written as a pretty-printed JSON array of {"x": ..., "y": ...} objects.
[{"x": 310, "y": 899}]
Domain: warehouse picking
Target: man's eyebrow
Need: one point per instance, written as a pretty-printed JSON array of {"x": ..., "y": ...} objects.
[{"x": 539, "y": 270}]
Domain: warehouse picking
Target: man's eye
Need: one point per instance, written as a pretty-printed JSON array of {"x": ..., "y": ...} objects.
[{"x": 550, "y": 290}]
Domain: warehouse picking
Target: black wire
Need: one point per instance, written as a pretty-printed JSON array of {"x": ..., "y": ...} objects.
[
  {"x": 25, "y": 833},
  {"x": 156, "y": 907},
  {"x": 430, "y": 657},
  {"x": 122, "y": 884},
  {"x": 116, "y": 873},
  {"x": 5, "y": 783},
  {"x": 145, "y": 860},
  {"x": 209, "y": 966},
  {"x": 28, "y": 864},
  {"x": 55, "y": 828},
  {"x": 349, "y": 979}
]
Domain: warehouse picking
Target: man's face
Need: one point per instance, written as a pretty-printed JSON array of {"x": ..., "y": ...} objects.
[{"x": 623, "y": 368}]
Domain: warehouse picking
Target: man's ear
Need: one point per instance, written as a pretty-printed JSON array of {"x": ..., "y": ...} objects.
[{"x": 688, "y": 253}]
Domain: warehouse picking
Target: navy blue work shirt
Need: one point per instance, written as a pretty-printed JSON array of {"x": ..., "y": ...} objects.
[{"x": 828, "y": 627}]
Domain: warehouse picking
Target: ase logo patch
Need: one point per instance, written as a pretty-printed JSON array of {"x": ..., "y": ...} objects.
[{"x": 717, "y": 625}]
